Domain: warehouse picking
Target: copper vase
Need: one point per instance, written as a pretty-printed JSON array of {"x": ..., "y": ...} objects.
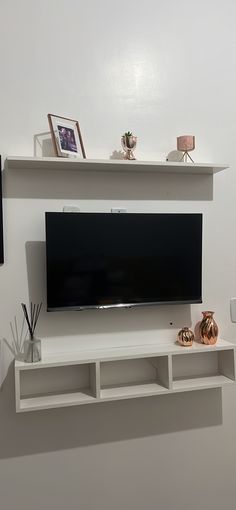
[
  {"x": 185, "y": 337},
  {"x": 208, "y": 329}
]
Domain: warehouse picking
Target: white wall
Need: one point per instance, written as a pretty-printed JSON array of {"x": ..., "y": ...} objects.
[{"x": 160, "y": 69}]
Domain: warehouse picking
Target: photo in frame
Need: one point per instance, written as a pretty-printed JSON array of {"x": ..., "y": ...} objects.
[
  {"x": 66, "y": 137},
  {"x": 1, "y": 219}
]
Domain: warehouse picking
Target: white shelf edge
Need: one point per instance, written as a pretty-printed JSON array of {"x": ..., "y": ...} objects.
[
  {"x": 120, "y": 353},
  {"x": 52, "y": 163}
]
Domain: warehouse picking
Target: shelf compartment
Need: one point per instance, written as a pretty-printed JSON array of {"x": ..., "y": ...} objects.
[
  {"x": 134, "y": 377},
  {"x": 55, "y": 400},
  {"x": 120, "y": 392},
  {"x": 210, "y": 381},
  {"x": 203, "y": 370},
  {"x": 57, "y": 387}
]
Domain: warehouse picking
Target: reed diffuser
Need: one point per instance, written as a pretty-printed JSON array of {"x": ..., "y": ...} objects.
[{"x": 32, "y": 345}]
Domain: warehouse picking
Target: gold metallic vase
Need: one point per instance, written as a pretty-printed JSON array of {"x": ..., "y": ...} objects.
[
  {"x": 185, "y": 337},
  {"x": 208, "y": 329}
]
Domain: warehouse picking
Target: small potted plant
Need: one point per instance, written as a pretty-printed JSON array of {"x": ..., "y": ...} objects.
[{"x": 129, "y": 142}]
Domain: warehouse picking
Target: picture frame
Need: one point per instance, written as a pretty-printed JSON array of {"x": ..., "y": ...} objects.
[
  {"x": 1, "y": 219},
  {"x": 66, "y": 137}
]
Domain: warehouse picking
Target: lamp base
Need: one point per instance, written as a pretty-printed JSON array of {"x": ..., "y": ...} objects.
[{"x": 185, "y": 157}]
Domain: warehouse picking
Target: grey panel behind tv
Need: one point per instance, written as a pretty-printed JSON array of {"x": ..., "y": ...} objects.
[{"x": 1, "y": 219}]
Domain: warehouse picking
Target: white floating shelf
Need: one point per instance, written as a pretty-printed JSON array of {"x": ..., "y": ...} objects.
[
  {"x": 121, "y": 373},
  {"x": 120, "y": 353},
  {"x": 110, "y": 165}
]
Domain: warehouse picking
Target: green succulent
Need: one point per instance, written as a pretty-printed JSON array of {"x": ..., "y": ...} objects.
[{"x": 128, "y": 133}]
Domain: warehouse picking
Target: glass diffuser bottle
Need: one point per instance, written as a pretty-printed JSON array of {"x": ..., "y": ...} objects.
[
  {"x": 32, "y": 345},
  {"x": 32, "y": 350}
]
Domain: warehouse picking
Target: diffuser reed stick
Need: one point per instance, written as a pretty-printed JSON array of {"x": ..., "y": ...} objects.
[
  {"x": 31, "y": 317},
  {"x": 32, "y": 347}
]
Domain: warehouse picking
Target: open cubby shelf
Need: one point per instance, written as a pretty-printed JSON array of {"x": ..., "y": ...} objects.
[{"x": 120, "y": 373}]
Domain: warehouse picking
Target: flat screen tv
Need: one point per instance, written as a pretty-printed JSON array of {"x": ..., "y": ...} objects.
[{"x": 105, "y": 260}]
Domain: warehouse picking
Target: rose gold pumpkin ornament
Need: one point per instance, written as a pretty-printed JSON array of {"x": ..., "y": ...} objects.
[
  {"x": 208, "y": 329},
  {"x": 185, "y": 337}
]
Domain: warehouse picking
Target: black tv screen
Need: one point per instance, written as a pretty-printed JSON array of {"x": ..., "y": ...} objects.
[{"x": 99, "y": 260}]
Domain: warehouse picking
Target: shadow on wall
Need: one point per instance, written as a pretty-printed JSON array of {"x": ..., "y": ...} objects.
[
  {"x": 43, "y": 146},
  {"x": 71, "y": 427},
  {"x": 90, "y": 185},
  {"x": 94, "y": 321}
]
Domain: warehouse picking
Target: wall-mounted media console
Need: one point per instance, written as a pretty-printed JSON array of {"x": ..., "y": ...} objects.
[{"x": 121, "y": 373}]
